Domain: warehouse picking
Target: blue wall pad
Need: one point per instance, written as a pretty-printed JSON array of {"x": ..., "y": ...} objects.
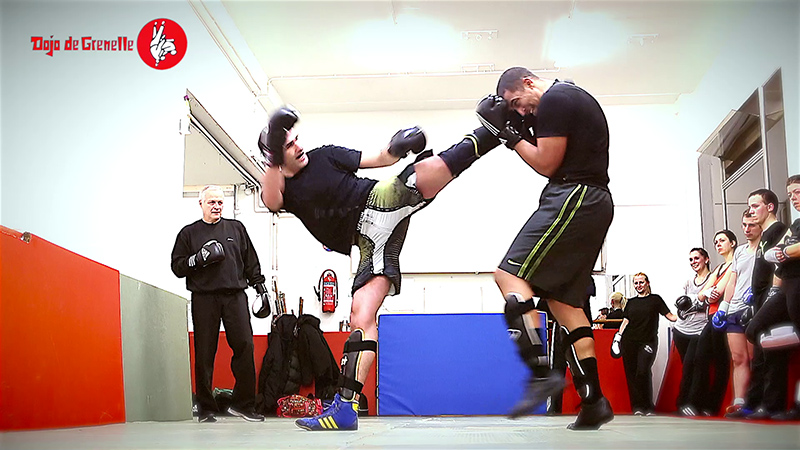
[{"x": 442, "y": 364}]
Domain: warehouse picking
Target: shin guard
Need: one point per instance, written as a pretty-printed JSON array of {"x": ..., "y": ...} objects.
[
  {"x": 349, "y": 385},
  {"x": 523, "y": 331},
  {"x": 474, "y": 145},
  {"x": 585, "y": 376}
]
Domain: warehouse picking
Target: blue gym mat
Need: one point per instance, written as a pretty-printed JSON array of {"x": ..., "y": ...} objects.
[{"x": 447, "y": 364}]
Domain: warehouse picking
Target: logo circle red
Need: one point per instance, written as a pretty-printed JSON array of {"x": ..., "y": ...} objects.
[{"x": 161, "y": 44}]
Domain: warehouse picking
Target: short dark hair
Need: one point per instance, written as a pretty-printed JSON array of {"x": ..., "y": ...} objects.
[
  {"x": 768, "y": 196},
  {"x": 746, "y": 213},
  {"x": 794, "y": 179},
  {"x": 511, "y": 79}
]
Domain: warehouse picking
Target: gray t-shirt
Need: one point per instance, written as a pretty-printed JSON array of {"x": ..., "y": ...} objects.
[
  {"x": 695, "y": 322},
  {"x": 743, "y": 261}
]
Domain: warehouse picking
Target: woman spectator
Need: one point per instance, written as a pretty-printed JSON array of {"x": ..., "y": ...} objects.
[
  {"x": 686, "y": 333},
  {"x": 638, "y": 339},
  {"x": 706, "y": 395}
]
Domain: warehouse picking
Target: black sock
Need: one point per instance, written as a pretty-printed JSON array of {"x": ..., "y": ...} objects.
[{"x": 588, "y": 383}]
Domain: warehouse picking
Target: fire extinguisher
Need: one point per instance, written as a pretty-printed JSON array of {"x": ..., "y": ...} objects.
[{"x": 328, "y": 291}]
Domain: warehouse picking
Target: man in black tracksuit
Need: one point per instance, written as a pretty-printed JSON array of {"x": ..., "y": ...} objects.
[
  {"x": 218, "y": 260},
  {"x": 766, "y": 395}
]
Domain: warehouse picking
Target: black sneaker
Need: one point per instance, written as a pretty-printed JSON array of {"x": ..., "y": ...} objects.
[
  {"x": 250, "y": 415},
  {"x": 759, "y": 414},
  {"x": 791, "y": 415},
  {"x": 537, "y": 392},
  {"x": 592, "y": 416},
  {"x": 687, "y": 411},
  {"x": 207, "y": 417}
]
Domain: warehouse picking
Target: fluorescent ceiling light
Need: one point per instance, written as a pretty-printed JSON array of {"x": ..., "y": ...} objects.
[{"x": 584, "y": 38}]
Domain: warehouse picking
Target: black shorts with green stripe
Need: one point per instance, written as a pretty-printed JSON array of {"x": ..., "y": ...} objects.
[{"x": 558, "y": 246}]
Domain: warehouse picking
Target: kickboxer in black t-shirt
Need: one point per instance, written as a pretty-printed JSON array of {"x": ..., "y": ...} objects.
[
  {"x": 341, "y": 209},
  {"x": 559, "y": 130}
]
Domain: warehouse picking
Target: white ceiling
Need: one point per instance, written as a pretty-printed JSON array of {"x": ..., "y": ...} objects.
[{"x": 336, "y": 56}]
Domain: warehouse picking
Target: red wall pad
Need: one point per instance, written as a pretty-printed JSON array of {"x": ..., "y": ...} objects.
[{"x": 60, "y": 337}]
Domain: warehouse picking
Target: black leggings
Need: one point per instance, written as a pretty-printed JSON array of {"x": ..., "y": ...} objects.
[
  {"x": 777, "y": 309},
  {"x": 638, "y": 359},
  {"x": 686, "y": 344},
  {"x": 707, "y": 394},
  {"x": 769, "y": 382}
]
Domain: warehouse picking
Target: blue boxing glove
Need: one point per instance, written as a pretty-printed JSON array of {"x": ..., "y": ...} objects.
[{"x": 720, "y": 320}]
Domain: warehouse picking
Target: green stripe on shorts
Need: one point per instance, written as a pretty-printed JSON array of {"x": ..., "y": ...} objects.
[{"x": 530, "y": 266}]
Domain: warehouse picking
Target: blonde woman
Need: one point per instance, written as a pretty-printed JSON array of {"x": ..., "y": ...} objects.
[{"x": 638, "y": 339}]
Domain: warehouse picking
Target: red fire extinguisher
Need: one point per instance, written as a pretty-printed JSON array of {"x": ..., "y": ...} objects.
[{"x": 328, "y": 292}]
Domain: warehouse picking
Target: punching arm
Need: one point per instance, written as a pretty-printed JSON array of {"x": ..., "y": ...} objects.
[
  {"x": 272, "y": 185},
  {"x": 374, "y": 160}
]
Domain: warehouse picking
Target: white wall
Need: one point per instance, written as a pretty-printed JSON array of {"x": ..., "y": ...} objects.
[
  {"x": 92, "y": 158},
  {"x": 767, "y": 40}
]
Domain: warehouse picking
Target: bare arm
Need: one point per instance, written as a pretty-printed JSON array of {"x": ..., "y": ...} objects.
[
  {"x": 623, "y": 326},
  {"x": 705, "y": 291},
  {"x": 793, "y": 251},
  {"x": 671, "y": 317},
  {"x": 547, "y": 157},
  {"x": 730, "y": 288},
  {"x": 272, "y": 184},
  {"x": 379, "y": 159},
  {"x": 721, "y": 287}
]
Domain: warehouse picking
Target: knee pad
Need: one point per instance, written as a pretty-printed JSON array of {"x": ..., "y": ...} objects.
[
  {"x": 349, "y": 385},
  {"x": 523, "y": 331}
]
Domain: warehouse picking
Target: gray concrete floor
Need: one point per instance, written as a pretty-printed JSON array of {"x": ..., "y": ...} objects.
[{"x": 483, "y": 432}]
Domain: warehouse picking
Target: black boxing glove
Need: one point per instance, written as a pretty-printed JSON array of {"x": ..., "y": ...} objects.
[
  {"x": 493, "y": 113},
  {"x": 264, "y": 309},
  {"x": 683, "y": 304},
  {"x": 273, "y": 136},
  {"x": 209, "y": 253},
  {"x": 407, "y": 140}
]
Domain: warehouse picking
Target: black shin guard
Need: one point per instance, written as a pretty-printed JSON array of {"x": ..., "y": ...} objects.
[
  {"x": 474, "y": 145},
  {"x": 349, "y": 385},
  {"x": 585, "y": 376},
  {"x": 523, "y": 331}
]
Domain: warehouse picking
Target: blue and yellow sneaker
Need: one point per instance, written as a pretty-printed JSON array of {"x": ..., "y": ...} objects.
[{"x": 341, "y": 415}]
